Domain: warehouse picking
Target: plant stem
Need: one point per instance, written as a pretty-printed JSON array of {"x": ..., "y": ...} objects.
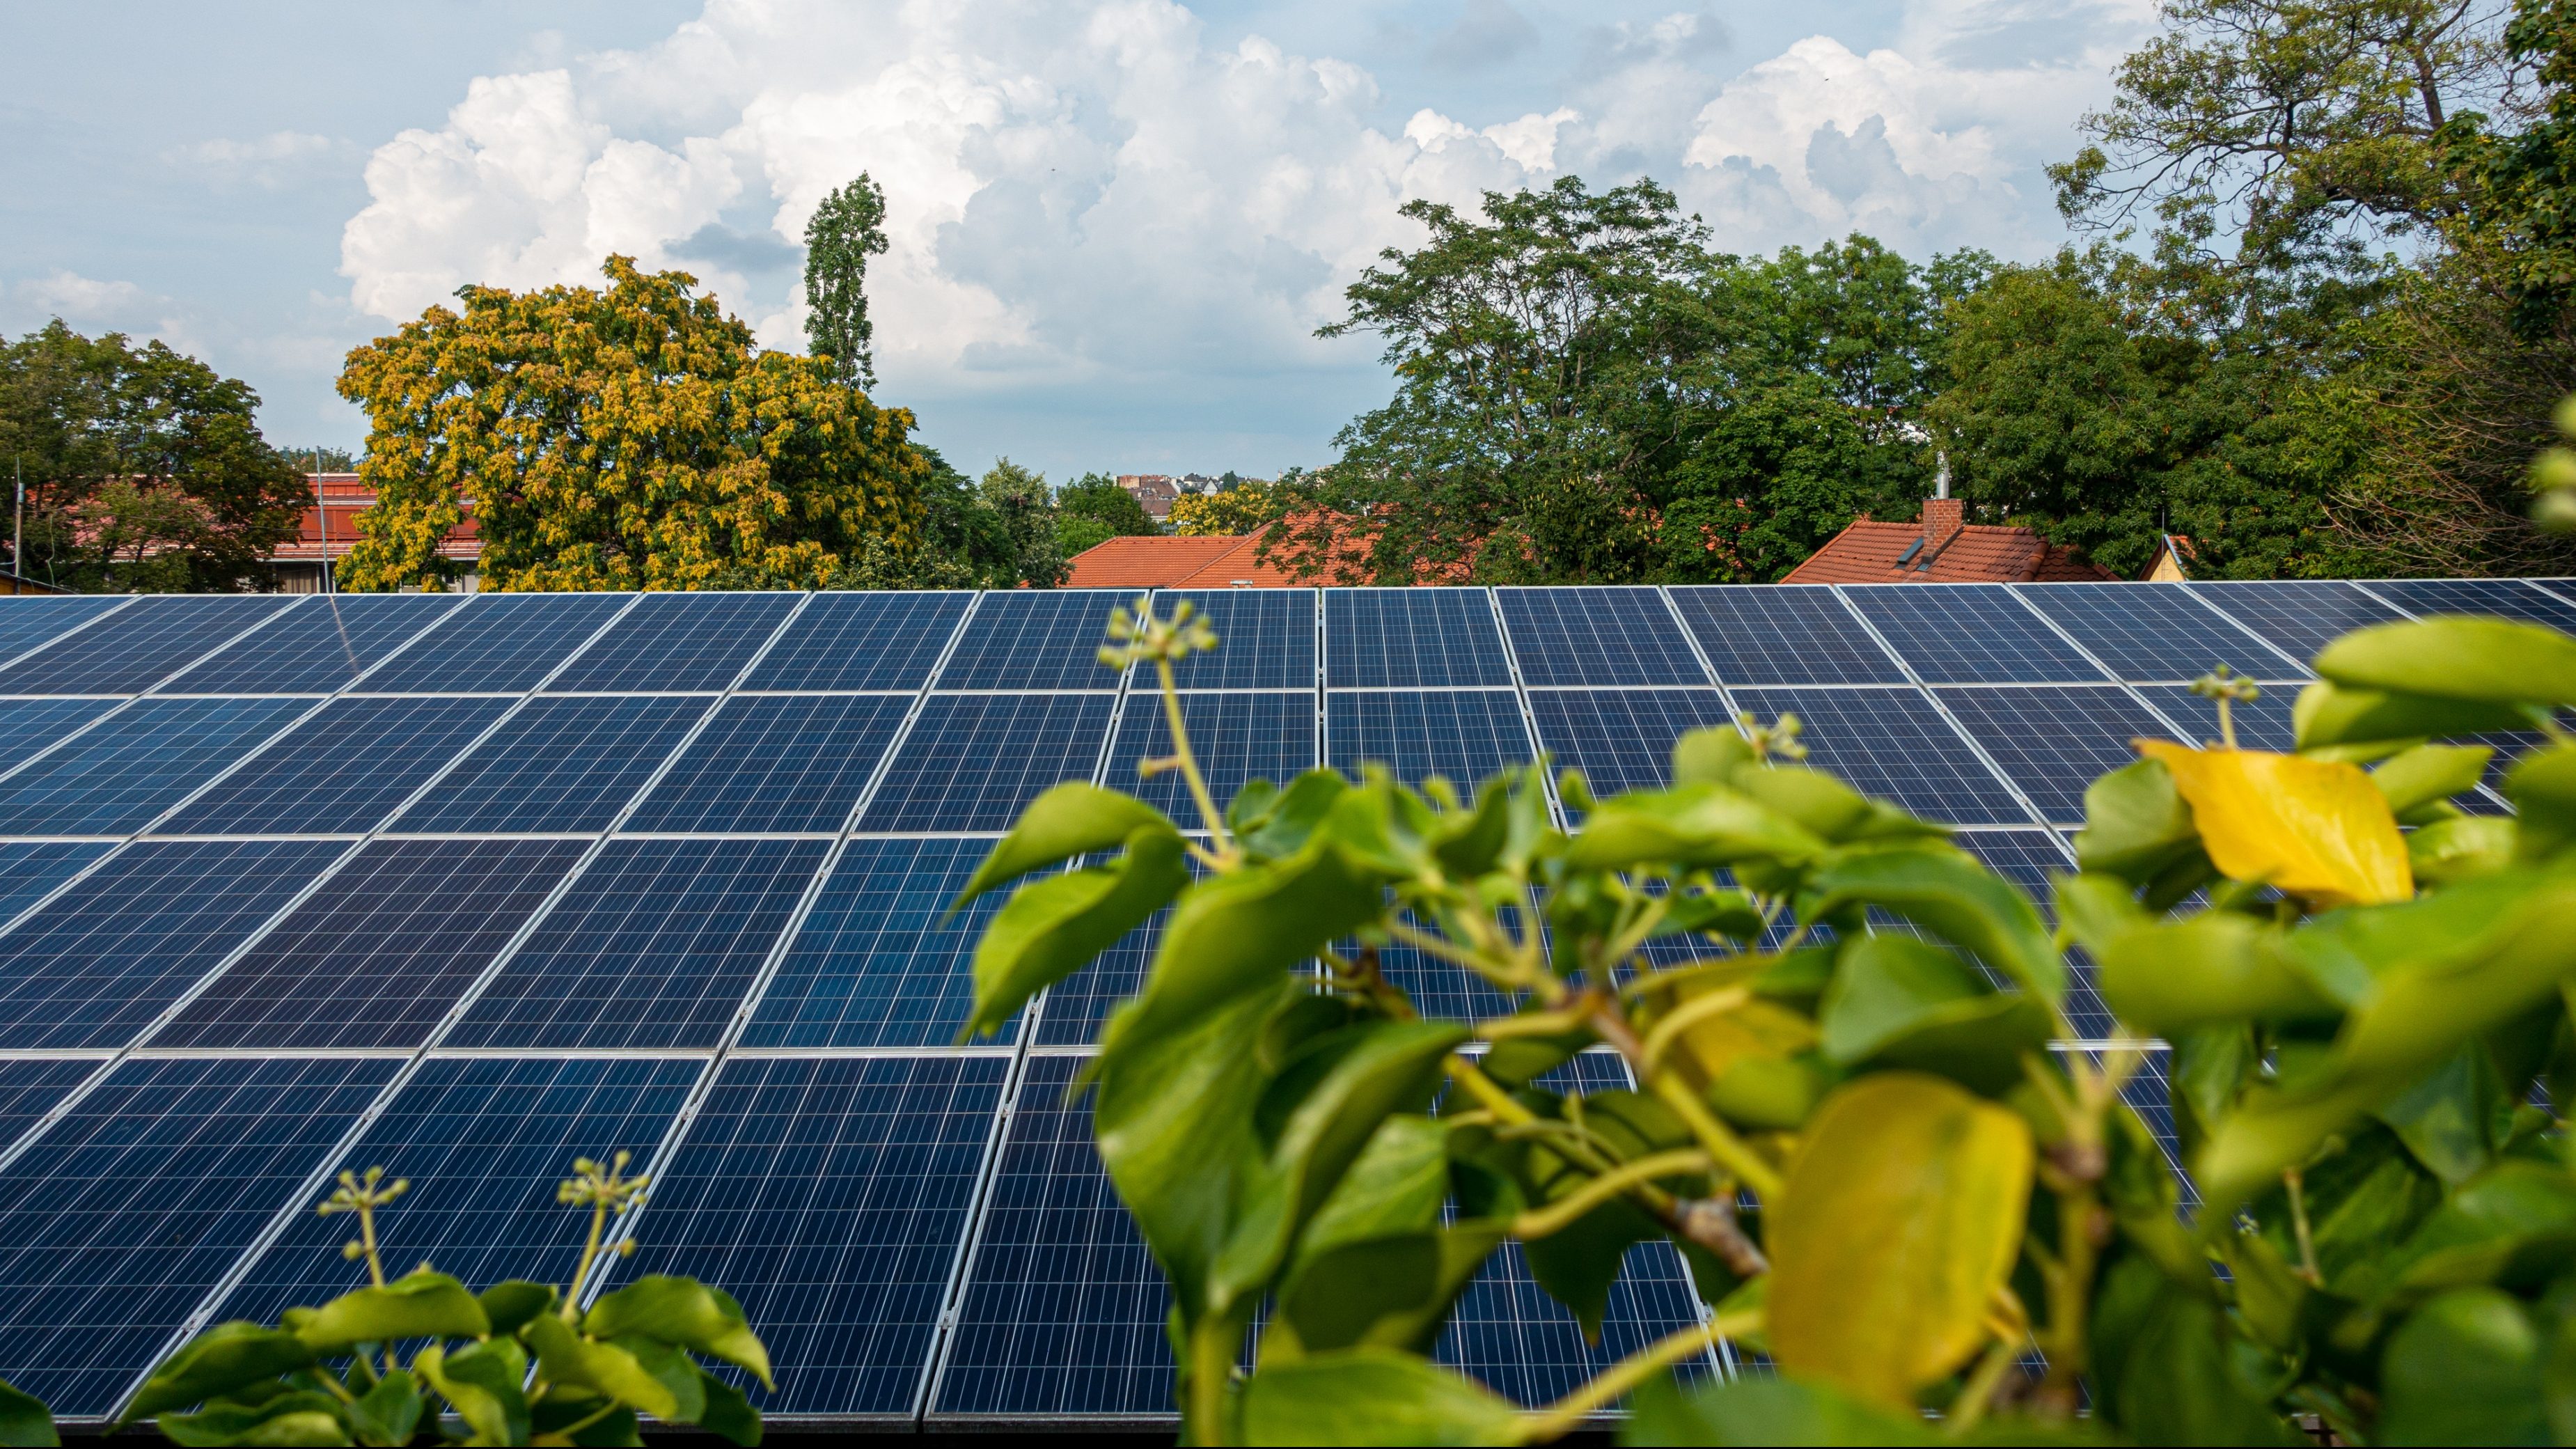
[
  {"x": 589, "y": 1252},
  {"x": 1685, "y": 1016},
  {"x": 2292, "y": 1179},
  {"x": 1211, "y": 1366},
  {"x": 1189, "y": 759},
  {"x": 1731, "y": 1151},
  {"x": 1977, "y": 1395},
  {"x": 367, "y": 1235},
  {"x": 1612, "y": 1383},
  {"x": 1561, "y": 1214}
]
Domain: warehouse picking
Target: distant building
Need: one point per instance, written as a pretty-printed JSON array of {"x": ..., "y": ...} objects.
[
  {"x": 1943, "y": 548},
  {"x": 1156, "y": 491},
  {"x": 330, "y": 528}
]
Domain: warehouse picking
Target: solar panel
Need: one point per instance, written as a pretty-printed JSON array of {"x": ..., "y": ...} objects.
[
  {"x": 2509, "y": 598},
  {"x": 2300, "y": 616},
  {"x": 861, "y": 641},
  {"x": 678, "y": 641},
  {"x": 973, "y": 760},
  {"x": 2031, "y": 859},
  {"x": 30, "y": 869},
  {"x": 497, "y": 643},
  {"x": 1412, "y": 638},
  {"x": 877, "y": 963},
  {"x": 1969, "y": 634},
  {"x": 1621, "y": 739},
  {"x": 2157, "y": 632},
  {"x": 562, "y": 763},
  {"x": 2261, "y": 724},
  {"x": 1783, "y": 634},
  {"x": 1892, "y": 743},
  {"x": 831, "y": 1197},
  {"x": 132, "y": 1207},
  {"x": 28, "y": 727},
  {"x": 98, "y": 963},
  {"x": 317, "y": 648},
  {"x": 1064, "y": 1309},
  {"x": 1440, "y": 990},
  {"x": 1075, "y": 1008},
  {"x": 1236, "y": 737},
  {"x": 343, "y": 770},
  {"x": 139, "y": 646},
  {"x": 654, "y": 946},
  {"x": 2052, "y": 742},
  {"x": 1597, "y": 636},
  {"x": 775, "y": 762},
  {"x": 130, "y": 767},
  {"x": 1464, "y": 735},
  {"x": 31, "y": 1087},
  {"x": 381, "y": 952},
  {"x": 1036, "y": 639},
  {"x": 30, "y": 621},
  {"x": 483, "y": 1142},
  {"x": 1265, "y": 639}
]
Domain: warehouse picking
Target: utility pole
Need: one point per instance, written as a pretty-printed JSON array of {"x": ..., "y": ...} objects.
[
  {"x": 18, "y": 537},
  {"x": 322, "y": 511}
]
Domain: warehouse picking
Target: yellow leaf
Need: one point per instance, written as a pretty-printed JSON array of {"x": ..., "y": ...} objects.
[
  {"x": 2312, "y": 828},
  {"x": 1901, "y": 1217}
]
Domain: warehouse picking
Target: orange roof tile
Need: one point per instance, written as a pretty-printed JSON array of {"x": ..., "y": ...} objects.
[
  {"x": 1868, "y": 552},
  {"x": 1147, "y": 561}
]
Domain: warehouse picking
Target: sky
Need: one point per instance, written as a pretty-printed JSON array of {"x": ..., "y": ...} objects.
[{"x": 1114, "y": 226}]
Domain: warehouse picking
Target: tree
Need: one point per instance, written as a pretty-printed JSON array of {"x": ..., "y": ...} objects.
[
  {"x": 618, "y": 439},
  {"x": 322, "y": 458},
  {"x": 144, "y": 468},
  {"x": 1097, "y": 497},
  {"x": 847, "y": 229},
  {"x": 1020, "y": 499},
  {"x": 1244, "y": 506}
]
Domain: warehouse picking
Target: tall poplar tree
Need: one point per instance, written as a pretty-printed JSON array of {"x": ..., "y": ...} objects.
[{"x": 847, "y": 229}]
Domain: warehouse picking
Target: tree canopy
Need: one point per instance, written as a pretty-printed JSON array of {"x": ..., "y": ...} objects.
[
  {"x": 1093, "y": 509},
  {"x": 846, "y": 230},
  {"x": 631, "y": 437}
]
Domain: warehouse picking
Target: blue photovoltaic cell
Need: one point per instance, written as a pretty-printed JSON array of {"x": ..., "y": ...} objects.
[
  {"x": 1621, "y": 739},
  {"x": 1064, "y": 1308},
  {"x": 1439, "y": 990},
  {"x": 1597, "y": 636},
  {"x": 878, "y": 963},
  {"x": 775, "y": 762},
  {"x": 381, "y": 952},
  {"x": 2157, "y": 632},
  {"x": 31, "y": 868},
  {"x": 2263, "y": 724},
  {"x": 28, "y": 726},
  {"x": 1236, "y": 737},
  {"x": 496, "y": 644},
  {"x": 318, "y": 648},
  {"x": 128, "y": 1210},
  {"x": 972, "y": 760},
  {"x": 1075, "y": 1008},
  {"x": 2149, "y": 1092},
  {"x": 559, "y": 764},
  {"x": 343, "y": 770},
  {"x": 1969, "y": 634},
  {"x": 2301, "y": 616},
  {"x": 140, "y": 646},
  {"x": 862, "y": 641},
  {"x": 1417, "y": 638},
  {"x": 2509, "y": 598},
  {"x": 654, "y": 946},
  {"x": 1893, "y": 744},
  {"x": 98, "y": 963},
  {"x": 1467, "y": 736},
  {"x": 27, "y": 621},
  {"x": 1265, "y": 639},
  {"x": 2053, "y": 742},
  {"x": 483, "y": 1142},
  {"x": 30, "y": 1087},
  {"x": 2030, "y": 859},
  {"x": 678, "y": 641},
  {"x": 831, "y": 1198},
  {"x": 1783, "y": 634},
  {"x": 130, "y": 768},
  {"x": 1036, "y": 639},
  {"x": 1523, "y": 1344}
]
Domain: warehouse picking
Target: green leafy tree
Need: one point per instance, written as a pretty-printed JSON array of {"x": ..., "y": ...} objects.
[
  {"x": 627, "y": 438},
  {"x": 847, "y": 229},
  {"x": 1241, "y": 507},
  {"x": 1025, "y": 507},
  {"x": 1093, "y": 509},
  {"x": 144, "y": 468}
]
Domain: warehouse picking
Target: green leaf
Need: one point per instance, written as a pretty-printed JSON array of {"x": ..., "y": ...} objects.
[
  {"x": 2429, "y": 773},
  {"x": 2163, "y": 1368},
  {"x": 652, "y": 1376},
  {"x": 2452, "y": 1117},
  {"x": 1906, "y": 1003},
  {"x": 2464, "y": 1369},
  {"x": 1280, "y": 824},
  {"x": 2136, "y": 824},
  {"x": 685, "y": 1312},
  {"x": 1074, "y": 818},
  {"x": 2542, "y": 787},
  {"x": 1054, "y": 926},
  {"x": 1711, "y": 756},
  {"x": 2514, "y": 1225},
  {"x": 390, "y": 1412},
  {"x": 214, "y": 1363},
  {"x": 1776, "y": 1409},
  {"x": 1690, "y": 825},
  {"x": 1397, "y": 1186},
  {"x": 24, "y": 1419},
  {"x": 728, "y": 1414},
  {"x": 514, "y": 1301},
  {"x": 1518, "y": 1060},
  {"x": 420, "y": 1304},
  {"x": 2329, "y": 715},
  {"x": 1387, "y": 1292},
  {"x": 286, "y": 1419},
  {"x": 2457, "y": 656},
  {"x": 562, "y": 1408},
  {"x": 1372, "y": 1396},
  {"x": 2207, "y": 969},
  {"x": 1900, "y": 1218},
  {"x": 482, "y": 1383},
  {"x": 2462, "y": 848},
  {"x": 1948, "y": 893},
  {"x": 1831, "y": 809},
  {"x": 1470, "y": 847}
]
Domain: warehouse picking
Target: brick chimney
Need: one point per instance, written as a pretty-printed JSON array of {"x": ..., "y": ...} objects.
[{"x": 1942, "y": 520}]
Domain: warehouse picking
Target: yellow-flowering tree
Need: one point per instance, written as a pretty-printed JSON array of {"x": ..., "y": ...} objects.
[{"x": 629, "y": 438}]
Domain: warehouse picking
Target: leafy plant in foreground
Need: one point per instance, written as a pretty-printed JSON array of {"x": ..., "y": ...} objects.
[
  {"x": 333, "y": 1374},
  {"x": 1849, "y": 1115}
]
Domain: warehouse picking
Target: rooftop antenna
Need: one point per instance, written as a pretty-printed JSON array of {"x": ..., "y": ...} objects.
[
  {"x": 1941, "y": 477},
  {"x": 322, "y": 511},
  {"x": 18, "y": 538}
]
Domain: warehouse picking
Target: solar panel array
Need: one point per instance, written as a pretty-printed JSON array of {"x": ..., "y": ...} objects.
[{"x": 468, "y": 886}]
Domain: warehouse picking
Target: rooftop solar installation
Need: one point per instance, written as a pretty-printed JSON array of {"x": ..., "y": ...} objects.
[{"x": 468, "y": 886}]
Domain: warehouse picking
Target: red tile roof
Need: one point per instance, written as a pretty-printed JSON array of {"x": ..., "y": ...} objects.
[
  {"x": 346, "y": 498},
  {"x": 1952, "y": 551},
  {"x": 1151, "y": 562}
]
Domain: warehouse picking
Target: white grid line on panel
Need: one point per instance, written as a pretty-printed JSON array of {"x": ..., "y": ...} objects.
[
  {"x": 2564, "y": 596},
  {"x": 2131, "y": 690},
  {"x": 1529, "y": 717},
  {"x": 93, "y": 621},
  {"x": 1925, "y": 692},
  {"x": 2257, "y": 635},
  {"x": 331, "y": 601}
]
